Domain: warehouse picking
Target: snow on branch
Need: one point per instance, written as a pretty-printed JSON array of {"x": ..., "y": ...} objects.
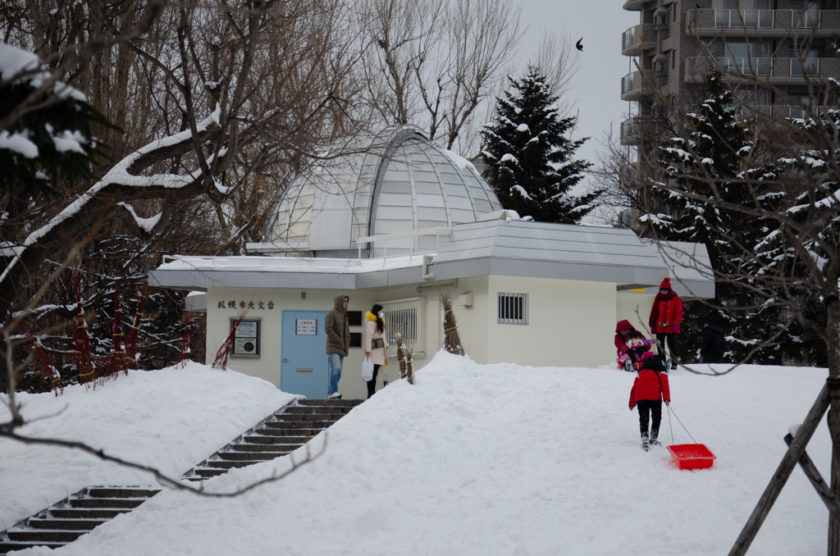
[
  {"x": 122, "y": 175},
  {"x": 145, "y": 224}
]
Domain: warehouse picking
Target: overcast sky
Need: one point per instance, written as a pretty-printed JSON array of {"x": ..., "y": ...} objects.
[{"x": 596, "y": 90}]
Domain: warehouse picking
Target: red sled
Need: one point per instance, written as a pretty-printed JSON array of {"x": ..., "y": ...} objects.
[{"x": 691, "y": 456}]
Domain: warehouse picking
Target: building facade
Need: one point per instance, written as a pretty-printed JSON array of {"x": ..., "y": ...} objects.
[
  {"x": 776, "y": 54},
  {"x": 403, "y": 225}
]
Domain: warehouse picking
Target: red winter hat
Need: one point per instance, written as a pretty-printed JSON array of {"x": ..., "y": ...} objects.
[
  {"x": 666, "y": 284},
  {"x": 623, "y": 325}
]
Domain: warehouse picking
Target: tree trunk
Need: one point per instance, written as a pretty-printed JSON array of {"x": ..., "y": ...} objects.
[{"x": 833, "y": 344}]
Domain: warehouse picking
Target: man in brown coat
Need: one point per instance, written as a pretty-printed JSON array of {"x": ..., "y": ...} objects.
[{"x": 337, "y": 326}]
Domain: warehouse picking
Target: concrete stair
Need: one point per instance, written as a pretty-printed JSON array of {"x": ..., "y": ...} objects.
[
  {"x": 278, "y": 434},
  {"x": 74, "y": 516}
]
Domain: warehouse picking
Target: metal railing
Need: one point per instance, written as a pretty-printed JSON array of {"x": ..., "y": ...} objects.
[
  {"x": 745, "y": 18},
  {"x": 709, "y": 20},
  {"x": 747, "y": 65},
  {"x": 404, "y": 316}
]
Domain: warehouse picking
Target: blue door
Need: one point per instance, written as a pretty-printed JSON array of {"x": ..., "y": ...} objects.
[{"x": 304, "y": 369}]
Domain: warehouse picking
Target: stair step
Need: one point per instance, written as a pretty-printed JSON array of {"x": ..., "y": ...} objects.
[
  {"x": 219, "y": 464},
  {"x": 121, "y": 492},
  {"x": 204, "y": 472},
  {"x": 330, "y": 403},
  {"x": 311, "y": 413},
  {"x": 7, "y": 546},
  {"x": 64, "y": 524},
  {"x": 273, "y": 447},
  {"x": 281, "y": 423},
  {"x": 250, "y": 456},
  {"x": 85, "y": 513},
  {"x": 279, "y": 430},
  {"x": 106, "y": 502},
  {"x": 44, "y": 536}
]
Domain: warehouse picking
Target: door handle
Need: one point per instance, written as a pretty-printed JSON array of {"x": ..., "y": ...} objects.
[{"x": 285, "y": 360}]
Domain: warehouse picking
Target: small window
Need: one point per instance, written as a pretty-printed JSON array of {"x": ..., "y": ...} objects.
[
  {"x": 354, "y": 318},
  {"x": 404, "y": 316},
  {"x": 513, "y": 308}
]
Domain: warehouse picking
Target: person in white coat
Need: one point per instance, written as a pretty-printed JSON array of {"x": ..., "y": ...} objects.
[{"x": 374, "y": 342}]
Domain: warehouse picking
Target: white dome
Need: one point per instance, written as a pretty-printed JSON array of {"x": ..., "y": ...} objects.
[{"x": 403, "y": 183}]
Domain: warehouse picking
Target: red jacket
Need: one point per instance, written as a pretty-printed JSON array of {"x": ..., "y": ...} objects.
[
  {"x": 650, "y": 385},
  {"x": 619, "y": 340},
  {"x": 666, "y": 313}
]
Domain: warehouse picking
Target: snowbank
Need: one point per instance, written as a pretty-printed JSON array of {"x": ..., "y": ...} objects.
[{"x": 473, "y": 459}]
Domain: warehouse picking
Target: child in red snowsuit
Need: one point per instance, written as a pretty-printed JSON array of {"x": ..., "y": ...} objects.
[{"x": 649, "y": 389}]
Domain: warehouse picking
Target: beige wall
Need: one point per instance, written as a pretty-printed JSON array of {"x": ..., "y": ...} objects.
[
  {"x": 267, "y": 366},
  {"x": 570, "y": 323},
  {"x": 635, "y": 307}
]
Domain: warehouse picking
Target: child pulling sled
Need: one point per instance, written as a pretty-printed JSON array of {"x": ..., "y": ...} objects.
[{"x": 649, "y": 389}]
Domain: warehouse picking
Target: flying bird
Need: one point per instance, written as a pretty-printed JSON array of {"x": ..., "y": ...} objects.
[{"x": 579, "y": 44}]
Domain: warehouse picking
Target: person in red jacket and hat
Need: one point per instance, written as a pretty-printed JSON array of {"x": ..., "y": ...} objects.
[
  {"x": 649, "y": 389},
  {"x": 665, "y": 318}
]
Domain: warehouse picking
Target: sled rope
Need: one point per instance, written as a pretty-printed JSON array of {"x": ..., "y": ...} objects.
[
  {"x": 678, "y": 421},
  {"x": 671, "y": 428}
]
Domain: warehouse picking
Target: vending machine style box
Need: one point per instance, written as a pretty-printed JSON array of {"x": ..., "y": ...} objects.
[{"x": 246, "y": 341}]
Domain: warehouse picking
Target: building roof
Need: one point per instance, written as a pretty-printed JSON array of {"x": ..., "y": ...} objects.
[
  {"x": 497, "y": 247},
  {"x": 401, "y": 183}
]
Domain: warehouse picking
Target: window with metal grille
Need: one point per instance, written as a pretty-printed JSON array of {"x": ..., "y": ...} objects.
[
  {"x": 513, "y": 308},
  {"x": 404, "y": 316}
]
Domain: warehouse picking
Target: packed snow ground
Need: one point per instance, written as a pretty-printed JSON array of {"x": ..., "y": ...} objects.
[{"x": 472, "y": 459}]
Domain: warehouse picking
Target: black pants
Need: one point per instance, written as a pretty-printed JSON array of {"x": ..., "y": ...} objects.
[
  {"x": 649, "y": 410},
  {"x": 671, "y": 339},
  {"x": 371, "y": 384}
]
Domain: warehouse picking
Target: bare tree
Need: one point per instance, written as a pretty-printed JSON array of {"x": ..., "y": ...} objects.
[
  {"x": 433, "y": 63},
  {"x": 218, "y": 106},
  {"x": 221, "y": 105}
]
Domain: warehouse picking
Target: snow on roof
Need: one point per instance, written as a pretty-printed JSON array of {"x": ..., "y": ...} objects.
[{"x": 499, "y": 247}]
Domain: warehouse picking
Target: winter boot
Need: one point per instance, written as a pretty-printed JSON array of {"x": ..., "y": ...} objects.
[
  {"x": 645, "y": 444},
  {"x": 653, "y": 439},
  {"x": 628, "y": 365}
]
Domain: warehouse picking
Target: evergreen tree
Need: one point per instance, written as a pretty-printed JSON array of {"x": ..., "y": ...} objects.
[
  {"x": 530, "y": 156},
  {"x": 50, "y": 142},
  {"x": 708, "y": 195}
]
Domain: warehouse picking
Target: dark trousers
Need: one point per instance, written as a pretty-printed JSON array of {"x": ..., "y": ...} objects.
[
  {"x": 649, "y": 410},
  {"x": 671, "y": 340},
  {"x": 371, "y": 384}
]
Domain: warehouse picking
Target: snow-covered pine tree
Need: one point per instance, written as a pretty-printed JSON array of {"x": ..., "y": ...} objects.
[
  {"x": 530, "y": 155},
  {"x": 705, "y": 172},
  {"x": 49, "y": 135},
  {"x": 800, "y": 252}
]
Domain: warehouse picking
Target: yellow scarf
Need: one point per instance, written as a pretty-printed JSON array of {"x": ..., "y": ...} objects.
[{"x": 371, "y": 316}]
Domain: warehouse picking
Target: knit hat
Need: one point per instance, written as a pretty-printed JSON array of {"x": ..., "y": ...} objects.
[
  {"x": 655, "y": 362},
  {"x": 665, "y": 284},
  {"x": 623, "y": 325}
]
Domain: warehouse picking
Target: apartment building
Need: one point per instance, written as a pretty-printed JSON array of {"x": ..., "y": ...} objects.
[{"x": 777, "y": 54}]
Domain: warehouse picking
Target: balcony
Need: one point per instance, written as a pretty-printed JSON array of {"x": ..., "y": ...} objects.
[
  {"x": 771, "y": 71},
  {"x": 780, "y": 112},
  {"x": 634, "y": 87},
  {"x": 638, "y": 38},
  {"x": 758, "y": 23},
  {"x": 631, "y": 133},
  {"x": 638, "y": 130},
  {"x": 633, "y": 5}
]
